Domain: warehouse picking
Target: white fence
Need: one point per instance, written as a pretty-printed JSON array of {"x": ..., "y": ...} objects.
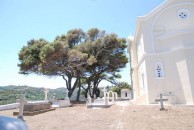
[
  {"x": 9, "y": 106},
  {"x": 17, "y": 105}
]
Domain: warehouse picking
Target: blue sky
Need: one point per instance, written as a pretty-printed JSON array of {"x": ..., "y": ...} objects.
[{"x": 22, "y": 20}]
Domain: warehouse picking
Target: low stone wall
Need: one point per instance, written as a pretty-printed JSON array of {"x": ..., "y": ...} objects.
[
  {"x": 36, "y": 107},
  {"x": 28, "y": 113}
]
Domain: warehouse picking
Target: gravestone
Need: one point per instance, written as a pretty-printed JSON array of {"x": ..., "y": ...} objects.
[
  {"x": 111, "y": 99},
  {"x": 55, "y": 104},
  {"x": 105, "y": 92},
  {"x": 106, "y": 99},
  {"x": 34, "y": 108},
  {"x": 62, "y": 103},
  {"x": 161, "y": 102},
  {"x": 98, "y": 103},
  {"x": 45, "y": 94},
  {"x": 66, "y": 103},
  {"x": 89, "y": 100},
  {"x": 22, "y": 101},
  {"x": 115, "y": 95},
  {"x": 66, "y": 95}
]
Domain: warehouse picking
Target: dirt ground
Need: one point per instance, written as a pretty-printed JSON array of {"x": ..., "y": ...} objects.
[{"x": 117, "y": 117}]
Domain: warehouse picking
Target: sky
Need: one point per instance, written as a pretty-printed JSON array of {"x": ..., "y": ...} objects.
[{"x": 23, "y": 20}]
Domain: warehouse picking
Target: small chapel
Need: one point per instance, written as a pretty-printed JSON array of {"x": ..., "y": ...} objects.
[{"x": 162, "y": 54}]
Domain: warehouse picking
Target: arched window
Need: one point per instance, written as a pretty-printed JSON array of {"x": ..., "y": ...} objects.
[{"x": 159, "y": 71}]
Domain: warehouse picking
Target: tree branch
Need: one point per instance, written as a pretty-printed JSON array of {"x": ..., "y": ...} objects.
[{"x": 65, "y": 81}]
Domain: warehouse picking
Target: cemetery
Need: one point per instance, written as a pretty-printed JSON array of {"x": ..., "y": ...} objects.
[
  {"x": 108, "y": 112},
  {"x": 116, "y": 117},
  {"x": 161, "y": 94},
  {"x": 105, "y": 102}
]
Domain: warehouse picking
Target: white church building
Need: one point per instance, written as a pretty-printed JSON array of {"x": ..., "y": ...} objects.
[{"x": 162, "y": 54}]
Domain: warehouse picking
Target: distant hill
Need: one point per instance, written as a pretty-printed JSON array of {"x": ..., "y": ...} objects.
[{"x": 9, "y": 94}]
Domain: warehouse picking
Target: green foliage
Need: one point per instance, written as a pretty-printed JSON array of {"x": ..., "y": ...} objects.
[
  {"x": 91, "y": 60},
  {"x": 74, "y": 37},
  {"x": 12, "y": 93},
  {"x": 121, "y": 85},
  {"x": 29, "y": 56},
  {"x": 93, "y": 56},
  {"x": 93, "y": 33}
]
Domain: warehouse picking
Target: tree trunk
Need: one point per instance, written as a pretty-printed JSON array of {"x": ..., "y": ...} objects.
[
  {"x": 88, "y": 90},
  {"x": 79, "y": 90},
  {"x": 70, "y": 88},
  {"x": 94, "y": 88},
  {"x": 86, "y": 94},
  {"x": 70, "y": 92}
]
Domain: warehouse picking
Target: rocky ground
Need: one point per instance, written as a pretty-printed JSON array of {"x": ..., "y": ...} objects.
[{"x": 117, "y": 117}]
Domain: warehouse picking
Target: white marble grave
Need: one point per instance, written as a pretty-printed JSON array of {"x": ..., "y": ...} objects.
[
  {"x": 62, "y": 103},
  {"x": 101, "y": 102}
]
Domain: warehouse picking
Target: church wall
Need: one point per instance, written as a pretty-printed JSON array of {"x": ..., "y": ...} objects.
[
  {"x": 178, "y": 1},
  {"x": 142, "y": 79},
  {"x": 177, "y": 80},
  {"x": 135, "y": 83},
  {"x": 134, "y": 62},
  {"x": 140, "y": 48},
  {"x": 168, "y": 46},
  {"x": 176, "y": 42},
  {"x": 170, "y": 33},
  {"x": 140, "y": 83},
  {"x": 190, "y": 64},
  {"x": 146, "y": 32},
  {"x": 171, "y": 30},
  {"x": 167, "y": 22}
]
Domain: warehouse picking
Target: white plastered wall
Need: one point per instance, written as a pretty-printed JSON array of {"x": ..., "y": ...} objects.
[
  {"x": 169, "y": 40},
  {"x": 177, "y": 80}
]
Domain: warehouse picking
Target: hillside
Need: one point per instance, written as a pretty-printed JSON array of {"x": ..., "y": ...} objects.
[{"x": 9, "y": 94}]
